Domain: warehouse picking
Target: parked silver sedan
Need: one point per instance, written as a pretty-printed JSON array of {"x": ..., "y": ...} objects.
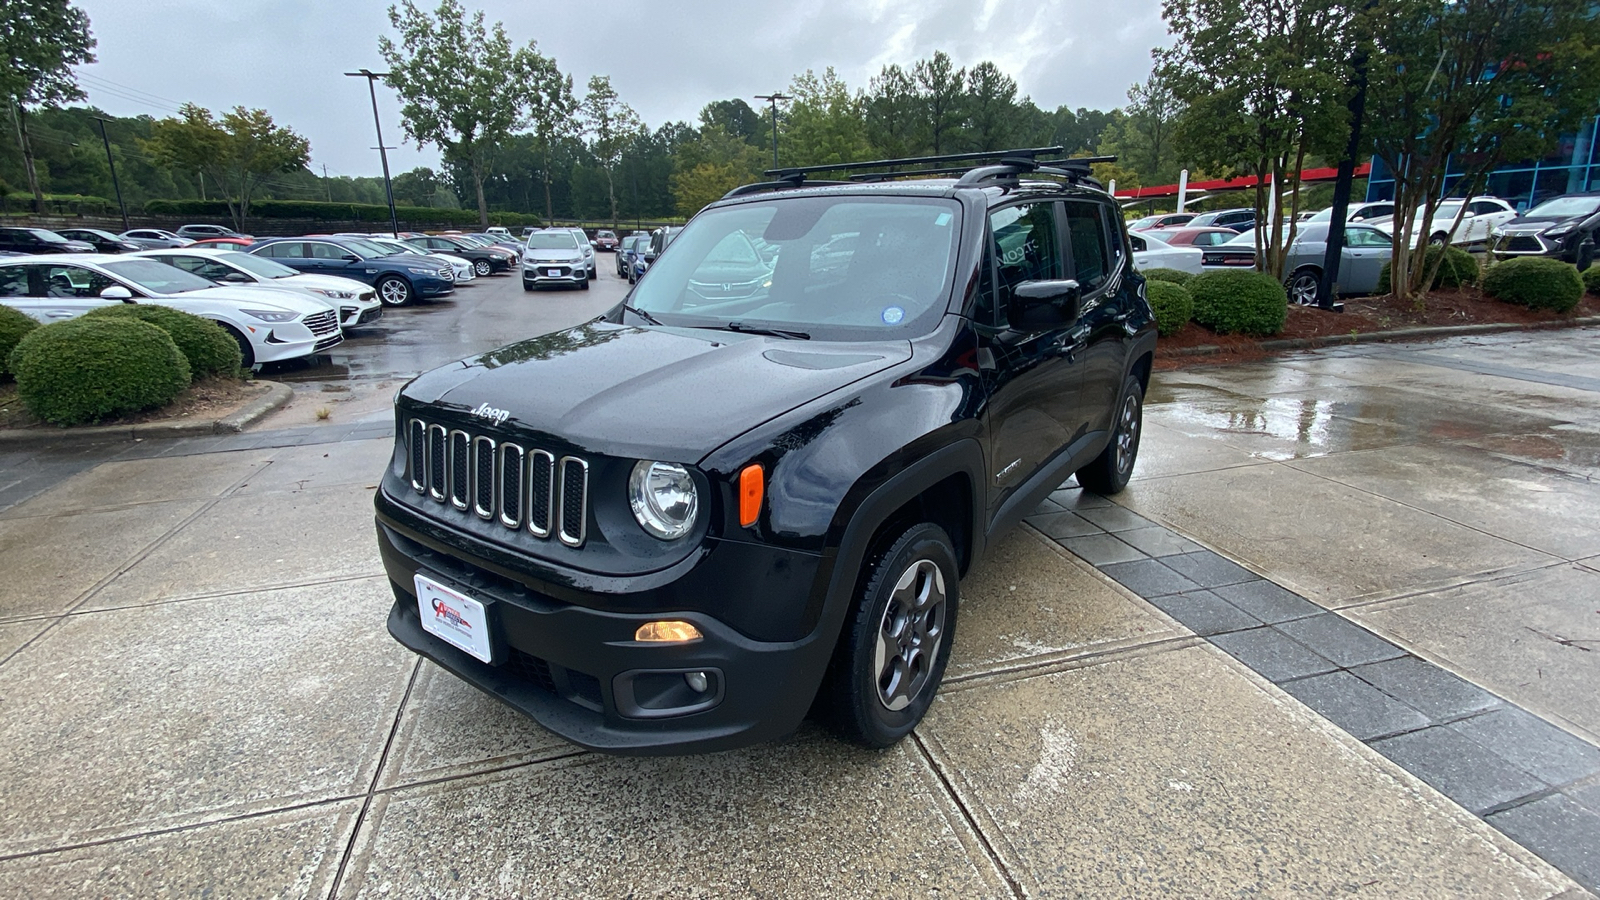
[{"x": 1366, "y": 249}]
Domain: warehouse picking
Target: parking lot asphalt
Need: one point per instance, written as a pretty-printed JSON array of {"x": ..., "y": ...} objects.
[{"x": 1338, "y": 636}]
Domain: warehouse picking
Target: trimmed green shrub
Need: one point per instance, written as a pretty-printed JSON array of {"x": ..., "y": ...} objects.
[
  {"x": 14, "y": 326},
  {"x": 1459, "y": 269},
  {"x": 1171, "y": 276},
  {"x": 1536, "y": 282},
  {"x": 1591, "y": 279},
  {"x": 209, "y": 349},
  {"x": 89, "y": 368},
  {"x": 1239, "y": 301},
  {"x": 1173, "y": 305}
]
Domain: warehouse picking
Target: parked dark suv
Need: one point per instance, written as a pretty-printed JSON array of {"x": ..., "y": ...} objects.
[
  {"x": 40, "y": 240},
  {"x": 1563, "y": 227},
  {"x": 675, "y": 527}
]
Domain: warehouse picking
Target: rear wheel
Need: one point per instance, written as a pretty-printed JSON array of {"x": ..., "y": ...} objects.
[
  {"x": 1303, "y": 287},
  {"x": 394, "y": 291},
  {"x": 891, "y": 657},
  {"x": 1439, "y": 240},
  {"x": 1110, "y": 471}
]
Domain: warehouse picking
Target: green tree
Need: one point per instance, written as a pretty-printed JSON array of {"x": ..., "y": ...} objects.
[
  {"x": 1265, "y": 86},
  {"x": 893, "y": 110},
  {"x": 710, "y": 166},
  {"x": 1471, "y": 83},
  {"x": 943, "y": 90},
  {"x": 552, "y": 119},
  {"x": 612, "y": 125},
  {"x": 991, "y": 107},
  {"x": 236, "y": 152},
  {"x": 464, "y": 88},
  {"x": 739, "y": 119},
  {"x": 824, "y": 122},
  {"x": 43, "y": 40}
]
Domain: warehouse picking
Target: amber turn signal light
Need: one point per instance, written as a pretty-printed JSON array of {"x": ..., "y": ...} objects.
[
  {"x": 670, "y": 631},
  {"x": 752, "y": 484}
]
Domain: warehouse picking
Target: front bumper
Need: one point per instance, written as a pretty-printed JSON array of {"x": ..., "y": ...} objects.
[
  {"x": 354, "y": 314},
  {"x": 431, "y": 286},
  {"x": 1510, "y": 246},
  {"x": 566, "y": 273},
  {"x": 578, "y": 672}
]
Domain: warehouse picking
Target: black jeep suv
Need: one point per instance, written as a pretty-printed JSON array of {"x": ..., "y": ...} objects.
[{"x": 737, "y": 497}]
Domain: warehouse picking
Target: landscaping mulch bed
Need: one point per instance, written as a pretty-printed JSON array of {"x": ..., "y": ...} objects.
[
  {"x": 208, "y": 398},
  {"x": 1364, "y": 315}
]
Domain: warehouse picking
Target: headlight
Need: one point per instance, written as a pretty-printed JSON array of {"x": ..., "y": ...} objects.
[
  {"x": 419, "y": 271},
  {"x": 1559, "y": 230},
  {"x": 335, "y": 294},
  {"x": 664, "y": 498},
  {"x": 268, "y": 315}
]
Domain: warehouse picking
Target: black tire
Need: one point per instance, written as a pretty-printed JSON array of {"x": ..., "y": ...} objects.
[
  {"x": 1585, "y": 257},
  {"x": 585, "y": 284},
  {"x": 527, "y": 285},
  {"x": 1303, "y": 286},
  {"x": 247, "y": 353},
  {"x": 394, "y": 291},
  {"x": 1109, "y": 472},
  {"x": 1439, "y": 240},
  {"x": 482, "y": 268},
  {"x": 907, "y": 606}
]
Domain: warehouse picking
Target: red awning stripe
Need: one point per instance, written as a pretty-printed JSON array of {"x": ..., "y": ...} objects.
[{"x": 1234, "y": 184}]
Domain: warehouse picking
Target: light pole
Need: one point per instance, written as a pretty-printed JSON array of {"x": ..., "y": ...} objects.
[
  {"x": 117, "y": 186},
  {"x": 383, "y": 153},
  {"x": 773, "y": 99}
]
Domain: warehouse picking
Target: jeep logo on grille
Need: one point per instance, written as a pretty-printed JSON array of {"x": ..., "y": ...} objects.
[{"x": 497, "y": 416}]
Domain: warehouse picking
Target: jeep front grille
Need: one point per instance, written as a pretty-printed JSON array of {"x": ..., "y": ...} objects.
[{"x": 519, "y": 487}]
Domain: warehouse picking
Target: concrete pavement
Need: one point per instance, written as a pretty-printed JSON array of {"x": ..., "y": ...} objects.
[{"x": 1211, "y": 686}]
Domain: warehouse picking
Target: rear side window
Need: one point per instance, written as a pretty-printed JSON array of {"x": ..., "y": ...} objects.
[
  {"x": 1086, "y": 235},
  {"x": 327, "y": 251},
  {"x": 13, "y": 281}
]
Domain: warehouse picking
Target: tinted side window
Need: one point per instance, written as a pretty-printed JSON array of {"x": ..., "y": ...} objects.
[
  {"x": 205, "y": 268},
  {"x": 1137, "y": 243},
  {"x": 13, "y": 281},
  {"x": 327, "y": 251},
  {"x": 72, "y": 281},
  {"x": 1086, "y": 233},
  {"x": 1026, "y": 246},
  {"x": 291, "y": 250}
]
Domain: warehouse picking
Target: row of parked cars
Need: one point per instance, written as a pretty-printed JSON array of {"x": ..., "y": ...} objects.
[
  {"x": 281, "y": 297},
  {"x": 1564, "y": 228}
]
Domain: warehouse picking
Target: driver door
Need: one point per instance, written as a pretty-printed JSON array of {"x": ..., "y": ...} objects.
[{"x": 66, "y": 291}]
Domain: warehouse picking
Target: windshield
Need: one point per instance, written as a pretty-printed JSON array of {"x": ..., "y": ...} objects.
[
  {"x": 552, "y": 240},
  {"x": 1565, "y": 207},
  {"x": 257, "y": 265},
  {"x": 392, "y": 247},
  {"x": 1163, "y": 235},
  {"x": 854, "y": 266},
  {"x": 49, "y": 237},
  {"x": 157, "y": 278},
  {"x": 366, "y": 249}
]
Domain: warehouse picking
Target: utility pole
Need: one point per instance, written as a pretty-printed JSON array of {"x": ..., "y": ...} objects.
[
  {"x": 115, "y": 185},
  {"x": 773, "y": 99},
  {"x": 383, "y": 152},
  {"x": 1326, "y": 300},
  {"x": 325, "y": 185}
]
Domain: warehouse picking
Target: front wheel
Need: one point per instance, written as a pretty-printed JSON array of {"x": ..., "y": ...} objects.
[
  {"x": 1109, "y": 472},
  {"x": 247, "y": 352},
  {"x": 1439, "y": 240},
  {"x": 394, "y": 291},
  {"x": 891, "y": 657},
  {"x": 482, "y": 267},
  {"x": 1303, "y": 287}
]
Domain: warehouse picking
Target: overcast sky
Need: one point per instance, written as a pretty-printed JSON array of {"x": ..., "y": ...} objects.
[{"x": 666, "y": 59}]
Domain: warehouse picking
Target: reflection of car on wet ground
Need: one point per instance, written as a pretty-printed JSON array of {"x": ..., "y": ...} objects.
[
  {"x": 357, "y": 303},
  {"x": 270, "y": 326},
  {"x": 1366, "y": 249},
  {"x": 681, "y": 526}
]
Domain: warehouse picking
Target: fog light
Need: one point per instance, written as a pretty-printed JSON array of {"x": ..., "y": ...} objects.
[
  {"x": 669, "y": 631},
  {"x": 697, "y": 682}
]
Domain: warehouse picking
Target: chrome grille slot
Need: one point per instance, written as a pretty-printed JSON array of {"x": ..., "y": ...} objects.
[
  {"x": 460, "y": 468},
  {"x": 574, "y": 500},
  {"x": 322, "y": 324},
  {"x": 417, "y": 455},
  {"x": 436, "y": 462},
  {"x": 483, "y": 481},
  {"x": 511, "y": 480},
  {"x": 541, "y": 492},
  {"x": 520, "y": 487}
]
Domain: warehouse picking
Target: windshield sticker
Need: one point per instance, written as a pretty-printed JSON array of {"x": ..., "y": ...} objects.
[
  {"x": 942, "y": 219},
  {"x": 893, "y": 315}
]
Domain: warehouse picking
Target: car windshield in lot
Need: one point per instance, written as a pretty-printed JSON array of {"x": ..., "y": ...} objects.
[
  {"x": 852, "y": 267},
  {"x": 257, "y": 265},
  {"x": 1565, "y": 207},
  {"x": 552, "y": 240},
  {"x": 157, "y": 278}
]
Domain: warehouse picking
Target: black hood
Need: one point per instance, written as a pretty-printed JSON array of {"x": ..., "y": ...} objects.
[
  {"x": 1529, "y": 223},
  {"x": 648, "y": 393}
]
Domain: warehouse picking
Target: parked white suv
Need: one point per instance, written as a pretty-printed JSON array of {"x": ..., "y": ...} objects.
[
  {"x": 270, "y": 326},
  {"x": 587, "y": 247},
  {"x": 356, "y": 302}
]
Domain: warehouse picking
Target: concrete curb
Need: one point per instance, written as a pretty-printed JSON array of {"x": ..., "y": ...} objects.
[
  {"x": 276, "y": 396},
  {"x": 1376, "y": 337}
]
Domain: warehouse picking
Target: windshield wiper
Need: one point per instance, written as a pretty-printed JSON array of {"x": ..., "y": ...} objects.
[
  {"x": 755, "y": 329},
  {"x": 641, "y": 314}
]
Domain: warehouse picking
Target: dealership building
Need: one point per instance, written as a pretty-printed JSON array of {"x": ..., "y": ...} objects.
[{"x": 1573, "y": 167}]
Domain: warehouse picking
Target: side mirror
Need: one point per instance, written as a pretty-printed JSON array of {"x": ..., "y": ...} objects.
[
  {"x": 117, "y": 292},
  {"x": 236, "y": 278},
  {"x": 351, "y": 257},
  {"x": 1039, "y": 305}
]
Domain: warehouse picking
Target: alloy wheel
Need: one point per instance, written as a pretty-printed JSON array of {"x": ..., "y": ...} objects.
[
  {"x": 1303, "y": 289},
  {"x": 394, "y": 292},
  {"x": 481, "y": 267},
  {"x": 909, "y": 634},
  {"x": 1128, "y": 425}
]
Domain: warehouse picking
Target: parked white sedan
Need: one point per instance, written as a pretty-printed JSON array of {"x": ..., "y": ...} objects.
[
  {"x": 356, "y": 302},
  {"x": 1483, "y": 215},
  {"x": 1152, "y": 253},
  {"x": 270, "y": 326}
]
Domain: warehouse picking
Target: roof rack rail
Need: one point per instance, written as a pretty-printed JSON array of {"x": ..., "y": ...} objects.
[
  {"x": 783, "y": 184},
  {"x": 1028, "y": 153},
  {"x": 1002, "y": 164}
]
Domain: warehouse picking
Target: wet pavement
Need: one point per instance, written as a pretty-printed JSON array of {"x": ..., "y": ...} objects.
[{"x": 1337, "y": 637}]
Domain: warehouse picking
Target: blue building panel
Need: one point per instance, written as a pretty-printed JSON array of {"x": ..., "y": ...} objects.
[{"x": 1573, "y": 167}]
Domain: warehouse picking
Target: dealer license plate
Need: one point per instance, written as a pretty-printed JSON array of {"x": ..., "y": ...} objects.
[
  {"x": 453, "y": 617},
  {"x": 553, "y": 273}
]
